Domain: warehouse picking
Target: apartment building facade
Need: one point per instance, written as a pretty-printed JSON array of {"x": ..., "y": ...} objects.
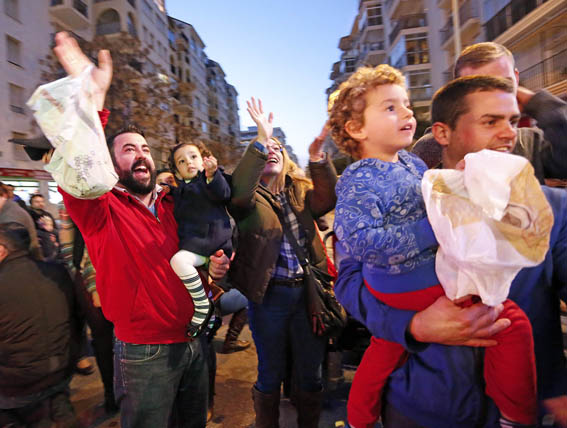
[
  {"x": 418, "y": 37},
  {"x": 28, "y": 28},
  {"x": 400, "y": 33},
  {"x": 535, "y": 31}
]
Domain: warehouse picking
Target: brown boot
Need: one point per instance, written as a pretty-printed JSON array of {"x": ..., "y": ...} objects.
[
  {"x": 231, "y": 343},
  {"x": 308, "y": 406},
  {"x": 267, "y": 408}
]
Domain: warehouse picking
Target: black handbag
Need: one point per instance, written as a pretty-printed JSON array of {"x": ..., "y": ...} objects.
[{"x": 328, "y": 317}]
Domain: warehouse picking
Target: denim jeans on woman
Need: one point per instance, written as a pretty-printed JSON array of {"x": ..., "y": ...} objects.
[
  {"x": 161, "y": 385},
  {"x": 278, "y": 322}
]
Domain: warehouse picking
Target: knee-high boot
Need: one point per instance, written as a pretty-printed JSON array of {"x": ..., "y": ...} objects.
[
  {"x": 267, "y": 408},
  {"x": 308, "y": 406}
]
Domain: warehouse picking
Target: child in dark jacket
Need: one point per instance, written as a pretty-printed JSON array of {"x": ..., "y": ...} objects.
[{"x": 201, "y": 195}]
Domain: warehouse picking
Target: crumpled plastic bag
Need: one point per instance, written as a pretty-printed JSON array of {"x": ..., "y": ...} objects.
[
  {"x": 491, "y": 220},
  {"x": 67, "y": 115}
]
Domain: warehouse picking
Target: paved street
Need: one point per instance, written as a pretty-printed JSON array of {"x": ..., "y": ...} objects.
[{"x": 233, "y": 402}]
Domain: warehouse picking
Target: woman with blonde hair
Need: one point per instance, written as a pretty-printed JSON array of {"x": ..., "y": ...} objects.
[{"x": 271, "y": 193}]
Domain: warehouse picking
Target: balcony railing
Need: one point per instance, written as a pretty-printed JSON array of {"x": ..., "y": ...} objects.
[
  {"x": 376, "y": 46},
  {"x": 421, "y": 94},
  {"x": 469, "y": 10},
  {"x": 546, "y": 73},
  {"x": 409, "y": 21},
  {"x": 107, "y": 28}
]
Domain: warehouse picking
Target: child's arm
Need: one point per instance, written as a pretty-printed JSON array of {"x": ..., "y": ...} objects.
[
  {"x": 322, "y": 197},
  {"x": 217, "y": 187},
  {"x": 359, "y": 225}
]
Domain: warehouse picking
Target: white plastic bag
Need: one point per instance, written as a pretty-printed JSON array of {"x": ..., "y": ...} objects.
[
  {"x": 490, "y": 221},
  {"x": 67, "y": 115}
]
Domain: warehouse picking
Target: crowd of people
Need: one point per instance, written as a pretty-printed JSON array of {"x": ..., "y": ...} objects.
[{"x": 153, "y": 263}]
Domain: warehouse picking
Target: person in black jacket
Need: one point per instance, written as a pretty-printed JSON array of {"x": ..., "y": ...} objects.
[
  {"x": 38, "y": 333},
  {"x": 201, "y": 196}
]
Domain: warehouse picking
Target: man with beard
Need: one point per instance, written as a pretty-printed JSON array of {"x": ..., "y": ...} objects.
[{"x": 131, "y": 234}]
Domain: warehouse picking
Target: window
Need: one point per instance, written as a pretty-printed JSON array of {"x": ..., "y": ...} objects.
[
  {"x": 419, "y": 85},
  {"x": 204, "y": 126},
  {"x": 132, "y": 25},
  {"x": 197, "y": 103},
  {"x": 13, "y": 51},
  {"x": 16, "y": 98},
  {"x": 375, "y": 15},
  {"x": 348, "y": 65},
  {"x": 108, "y": 23},
  {"x": 417, "y": 49},
  {"x": 11, "y": 8}
]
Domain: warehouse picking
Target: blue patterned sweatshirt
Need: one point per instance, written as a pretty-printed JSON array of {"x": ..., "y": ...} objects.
[{"x": 381, "y": 221}]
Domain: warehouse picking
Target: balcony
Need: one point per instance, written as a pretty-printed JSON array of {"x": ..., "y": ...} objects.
[
  {"x": 469, "y": 19},
  {"x": 372, "y": 53},
  {"x": 399, "y": 8},
  {"x": 424, "y": 93},
  {"x": 409, "y": 21},
  {"x": 74, "y": 14},
  {"x": 345, "y": 43},
  {"x": 508, "y": 16},
  {"x": 545, "y": 73}
]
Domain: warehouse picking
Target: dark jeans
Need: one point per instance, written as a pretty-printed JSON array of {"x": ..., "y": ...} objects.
[
  {"x": 102, "y": 332},
  {"x": 161, "y": 385},
  {"x": 278, "y": 323}
]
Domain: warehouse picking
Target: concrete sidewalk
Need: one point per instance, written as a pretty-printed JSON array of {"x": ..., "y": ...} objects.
[{"x": 236, "y": 374}]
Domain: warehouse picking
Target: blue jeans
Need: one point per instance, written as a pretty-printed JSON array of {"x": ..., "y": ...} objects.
[
  {"x": 161, "y": 385},
  {"x": 279, "y": 322},
  {"x": 232, "y": 301}
]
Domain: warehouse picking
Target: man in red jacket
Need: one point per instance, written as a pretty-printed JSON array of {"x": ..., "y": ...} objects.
[{"x": 131, "y": 234}]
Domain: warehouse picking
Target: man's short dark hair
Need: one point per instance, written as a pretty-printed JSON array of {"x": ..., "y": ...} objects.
[
  {"x": 449, "y": 101},
  {"x": 36, "y": 195},
  {"x": 130, "y": 128},
  {"x": 14, "y": 236}
]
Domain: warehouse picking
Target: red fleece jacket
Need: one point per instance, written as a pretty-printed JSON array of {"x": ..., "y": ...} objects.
[{"x": 130, "y": 249}]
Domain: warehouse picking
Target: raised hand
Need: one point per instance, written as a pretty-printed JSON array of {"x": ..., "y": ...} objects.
[
  {"x": 315, "y": 152},
  {"x": 74, "y": 61},
  {"x": 210, "y": 164},
  {"x": 265, "y": 127}
]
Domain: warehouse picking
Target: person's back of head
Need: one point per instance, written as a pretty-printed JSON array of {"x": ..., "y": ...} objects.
[
  {"x": 479, "y": 55},
  {"x": 14, "y": 237}
]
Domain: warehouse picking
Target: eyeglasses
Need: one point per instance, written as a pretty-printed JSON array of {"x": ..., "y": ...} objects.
[{"x": 276, "y": 147}]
